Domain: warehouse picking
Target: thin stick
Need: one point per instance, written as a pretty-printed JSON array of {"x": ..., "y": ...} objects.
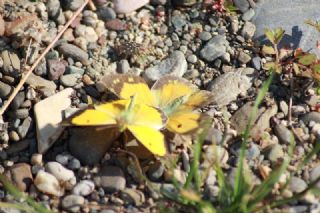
[
  {"x": 92, "y": 6},
  {"x": 27, "y": 74}
]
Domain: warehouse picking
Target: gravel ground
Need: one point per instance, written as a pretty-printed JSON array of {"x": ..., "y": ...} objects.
[{"x": 76, "y": 169}]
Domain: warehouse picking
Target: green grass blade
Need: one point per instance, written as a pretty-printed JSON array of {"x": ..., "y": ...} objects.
[
  {"x": 239, "y": 186},
  {"x": 20, "y": 195},
  {"x": 193, "y": 173}
]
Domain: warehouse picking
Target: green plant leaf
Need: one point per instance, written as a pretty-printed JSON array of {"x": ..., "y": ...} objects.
[
  {"x": 278, "y": 34},
  {"x": 270, "y": 35},
  {"x": 296, "y": 68},
  {"x": 307, "y": 59},
  {"x": 316, "y": 68},
  {"x": 269, "y": 66},
  {"x": 268, "y": 50}
]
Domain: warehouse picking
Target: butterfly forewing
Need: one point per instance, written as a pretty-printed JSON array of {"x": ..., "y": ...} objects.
[{"x": 126, "y": 85}]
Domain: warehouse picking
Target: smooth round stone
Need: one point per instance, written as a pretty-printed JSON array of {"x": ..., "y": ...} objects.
[
  {"x": 123, "y": 66},
  {"x": 74, "y": 164},
  {"x": 314, "y": 174},
  {"x": 83, "y": 188},
  {"x": 242, "y": 5},
  {"x": 192, "y": 58},
  {"x": 106, "y": 13},
  {"x": 60, "y": 172},
  {"x": 21, "y": 176},
  {"x": 72, "y": 203},
  {"x": 275, "y": 153},
  {"x": 36, "y": 159},
  {"x": 283, "y": 133},
  {"x": 297, "y": 185},
  {"x": 178, "y": 21},
  {"x": 256, "y": 62},
  {"x": 311, "y": 116},
  {"x": 132, "y": 197},
  {"x": 205, "y": 36},
  {"x": 156, "y": 171},
  {"x": 70, "y": 80},
  {"x": 111, "y": 179},
  {"x": 48, "y": 184},
  {"x": 18, "y": 100},
  {"x": 244, "y": 58},
  {"x": 248, "y": 30},
  {"x": 253, "y": 152},
  {"x": 21, "y": 113},
  {"x": 125, "y": 6},
  {"x": 63, "y": 159}
]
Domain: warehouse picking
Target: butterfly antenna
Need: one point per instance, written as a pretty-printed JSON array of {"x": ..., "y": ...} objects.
[{"x": 132, "y": 103}]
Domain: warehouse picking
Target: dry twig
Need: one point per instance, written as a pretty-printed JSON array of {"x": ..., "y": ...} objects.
[{"x": 27, "y": 74}]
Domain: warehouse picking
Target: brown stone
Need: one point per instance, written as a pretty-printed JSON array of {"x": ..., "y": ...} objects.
[{"x": 20, "y": 175}]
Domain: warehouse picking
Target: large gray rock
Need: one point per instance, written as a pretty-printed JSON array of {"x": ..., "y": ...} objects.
[
  {"x": 228, "y": 86},
  {"x": 175, "y": 64},
  {"x": 290, "y": 15},
  {"x": 214, "y": 49}
]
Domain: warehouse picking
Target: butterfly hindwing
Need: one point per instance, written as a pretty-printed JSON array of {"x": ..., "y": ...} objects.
[
  {"x": 151, "y": 138},
  {"x": 127, "y": 85},
  {"x": 184, "y": 122}
]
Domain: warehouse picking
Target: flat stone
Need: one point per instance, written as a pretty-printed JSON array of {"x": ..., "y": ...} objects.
[
  {"x": 20, "y": 175},
  {"x": 297, "y": 185},
  {"x": 116, "y": 25},
  {"x": 127, "y": 6},
  {"x": 41, "y": 83},
  {"x": 74, "y": 52},
  {"x": 48, "y": 115},
  {"x": 11, "y": 63},
  {"x": 175, "y": 64},
  {"x": 56, "y": 68},
  {"x": 70, "y": 80},
  {"x": 260, "y": 122},
  {"x": 24, "y": 127},
  {"x": 5, "y": 90},
  {"x": 111, "y": 179},
  {"x": 96, "y": 147},
  {"x": 228, "y": 86},
  {"x": 72, "y": 203},
  {"x": 215, "y": 48},
  {"x": 311, "y": 116},
  {"x": 132, "y": 197},
  {"x": 18, "y": 100},
  {"x": 83, "y": 188},
  {"x": 290, "y": 15}
]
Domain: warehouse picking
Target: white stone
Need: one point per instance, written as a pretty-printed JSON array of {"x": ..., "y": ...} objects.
[
  {"x": 60, "y": 172},
  {"x": 48, "y": 114},
  {"x": 83, "y": 188},
  {"x": 36, "y": 159},
  {"x": 127, "y": 6},
  {"x": 48, "y": 184}
]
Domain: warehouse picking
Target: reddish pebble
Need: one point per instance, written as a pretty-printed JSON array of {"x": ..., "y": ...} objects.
[{"x": 116, "y": 25}]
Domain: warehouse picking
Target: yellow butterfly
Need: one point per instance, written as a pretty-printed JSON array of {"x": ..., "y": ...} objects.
[
  {"x": 144, "y": 122},
  {"x": 176, "y": 97}
]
